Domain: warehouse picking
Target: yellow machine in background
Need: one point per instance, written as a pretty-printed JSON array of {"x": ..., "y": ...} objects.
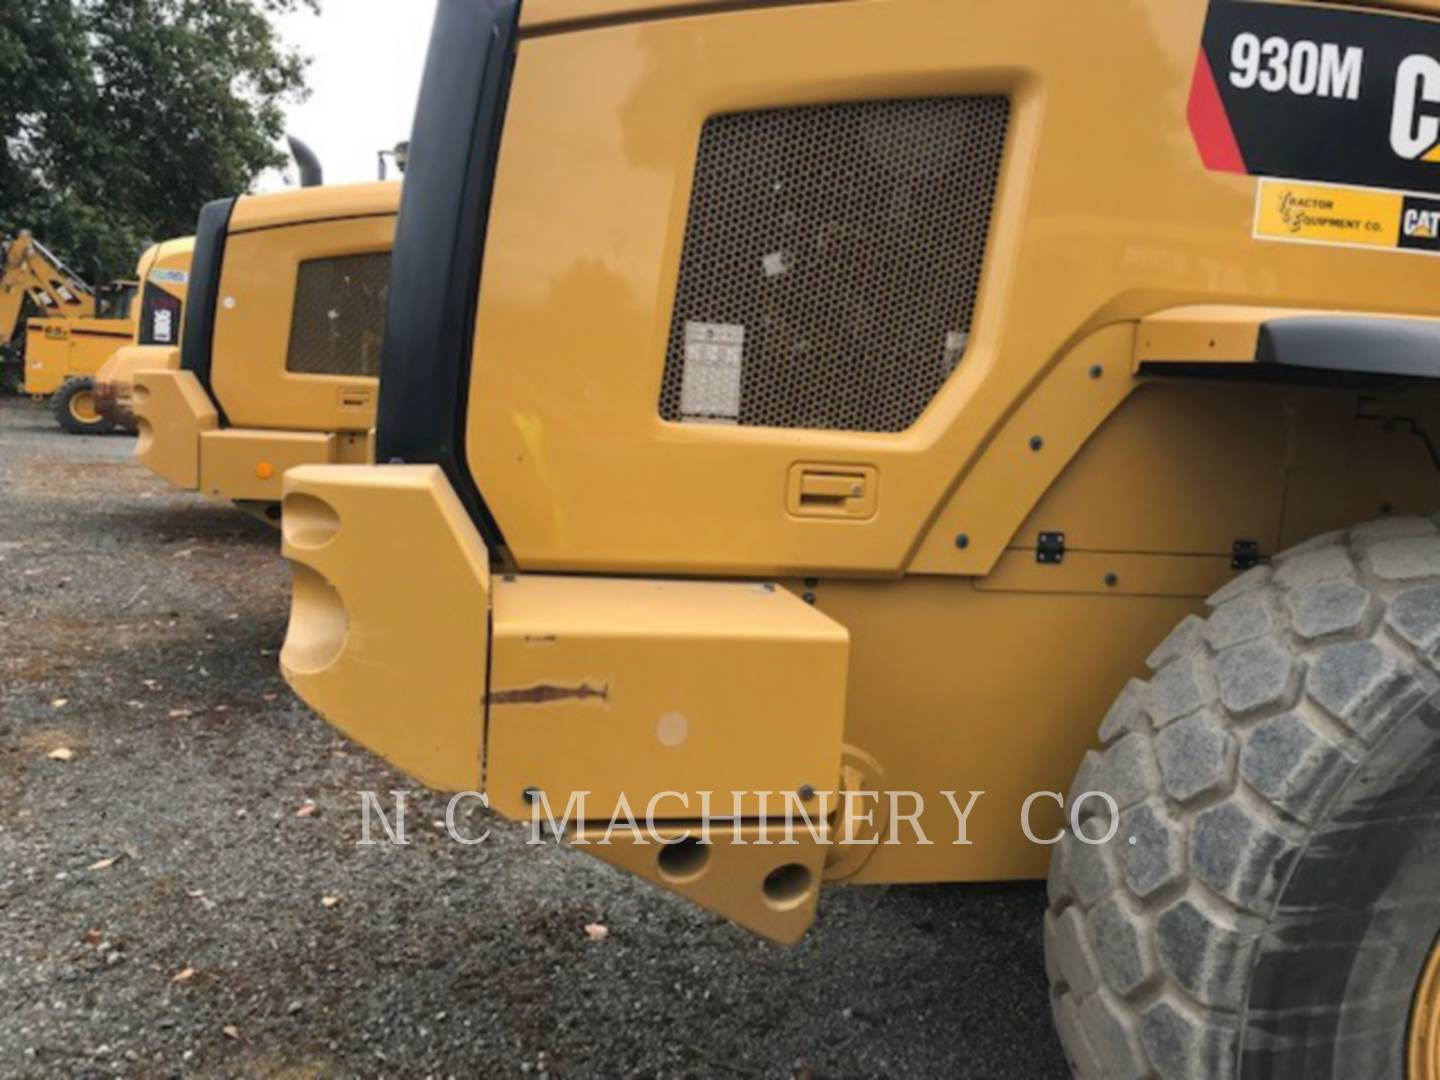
[
  {"x": 833, "y": 409},
  {"x": 30, "y": 272},
  {"x": 76, "y": 331},
  {"x": 165, "y": 275},
  {"x": 281, "y": 350}
]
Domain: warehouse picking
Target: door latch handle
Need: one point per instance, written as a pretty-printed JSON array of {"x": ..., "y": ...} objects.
[
  {"x": 823, "y": 487},
  {"x": 836, "y": 491}
]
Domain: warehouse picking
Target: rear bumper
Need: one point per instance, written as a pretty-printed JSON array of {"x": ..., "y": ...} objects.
[
  {"x": 658, "y": 695},
  {"x": 172, "y": 411},
  {"x": 181, "y": 441},
  {"x": 115, "y": 381},
  {"x": 388, "y": 626}
]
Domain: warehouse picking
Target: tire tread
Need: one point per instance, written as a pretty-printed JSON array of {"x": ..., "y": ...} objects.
[{"x": 1271, "y": 686}]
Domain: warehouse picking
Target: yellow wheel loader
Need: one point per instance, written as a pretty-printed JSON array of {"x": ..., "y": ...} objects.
[
  {"x": 803, "y": 426},
  {"x": 281, "y": 350},
  {"x": 164, "y": 271},
  {"x": 77, "y": 329}
]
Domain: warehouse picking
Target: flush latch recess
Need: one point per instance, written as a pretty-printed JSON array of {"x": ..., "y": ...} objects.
[{"x": 832, "y": 491}]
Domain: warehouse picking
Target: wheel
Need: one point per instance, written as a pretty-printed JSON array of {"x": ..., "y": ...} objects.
[
  {"x": 74, "y": 408},
  {"x": 1269, "y": 904}
]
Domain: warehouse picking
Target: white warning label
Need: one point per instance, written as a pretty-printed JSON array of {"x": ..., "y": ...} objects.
[{"x": 714, "y": 360}]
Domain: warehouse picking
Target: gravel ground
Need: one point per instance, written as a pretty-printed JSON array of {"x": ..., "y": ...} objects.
[{"x": 167, "y": 907}]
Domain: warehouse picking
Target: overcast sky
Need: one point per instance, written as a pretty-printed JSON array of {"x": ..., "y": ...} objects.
[{"x": 367, "y": 56}]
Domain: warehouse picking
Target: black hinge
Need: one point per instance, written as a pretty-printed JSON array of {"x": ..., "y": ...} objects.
[
  {"x": 1244, "y": 554},
  {"x": 1050, "y": 548}
]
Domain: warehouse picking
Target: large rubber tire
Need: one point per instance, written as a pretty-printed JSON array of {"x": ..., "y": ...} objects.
[
  {"x": 1271, "y": 895},
  {"x": 74, "y": 408}
]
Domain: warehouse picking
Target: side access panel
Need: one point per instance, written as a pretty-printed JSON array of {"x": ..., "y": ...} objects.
[{"x": 298, "y": 324}]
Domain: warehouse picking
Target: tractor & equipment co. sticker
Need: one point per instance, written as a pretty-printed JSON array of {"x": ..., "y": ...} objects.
[{"x": 1347, "y": 216}]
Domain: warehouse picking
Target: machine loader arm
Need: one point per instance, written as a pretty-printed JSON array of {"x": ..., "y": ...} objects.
[{"x": 28, "y": 268}]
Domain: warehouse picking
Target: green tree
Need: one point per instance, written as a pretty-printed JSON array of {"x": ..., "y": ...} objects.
[{"x": 122, "y": 117}]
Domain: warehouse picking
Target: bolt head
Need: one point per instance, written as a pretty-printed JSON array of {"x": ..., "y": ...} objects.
[
  {"x": 1036, "y": 442},
  {"x": 962, "y": 541}
]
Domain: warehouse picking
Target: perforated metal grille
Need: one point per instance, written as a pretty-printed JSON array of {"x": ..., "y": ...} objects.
[
  {"x": 831, "y": 262},
  {"x": 339, "y": 318}
]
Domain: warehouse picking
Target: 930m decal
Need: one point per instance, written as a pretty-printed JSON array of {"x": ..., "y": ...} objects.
[{"x": 1316, "y": 93}]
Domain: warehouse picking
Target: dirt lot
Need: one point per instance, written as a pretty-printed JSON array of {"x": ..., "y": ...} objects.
[{"x": 167, "y": 907}]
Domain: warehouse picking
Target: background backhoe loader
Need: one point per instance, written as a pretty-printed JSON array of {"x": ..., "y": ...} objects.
[
  {"x": 74, "y": 329},
  {"x": 280, "y": 354},
  {"x": 843, "y": 409}
]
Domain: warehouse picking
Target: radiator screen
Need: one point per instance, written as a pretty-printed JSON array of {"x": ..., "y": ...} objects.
[
  {"x": 831, "y": 262},
  {"x": 339, "y": 320}
]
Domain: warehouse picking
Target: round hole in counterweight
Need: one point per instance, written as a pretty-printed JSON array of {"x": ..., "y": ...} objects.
[
  {"x": 684, "y": 860},
  {"x": 787, "y": 885}
]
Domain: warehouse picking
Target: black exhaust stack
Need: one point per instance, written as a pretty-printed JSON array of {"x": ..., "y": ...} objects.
[{"x": 311, "y": 174}]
